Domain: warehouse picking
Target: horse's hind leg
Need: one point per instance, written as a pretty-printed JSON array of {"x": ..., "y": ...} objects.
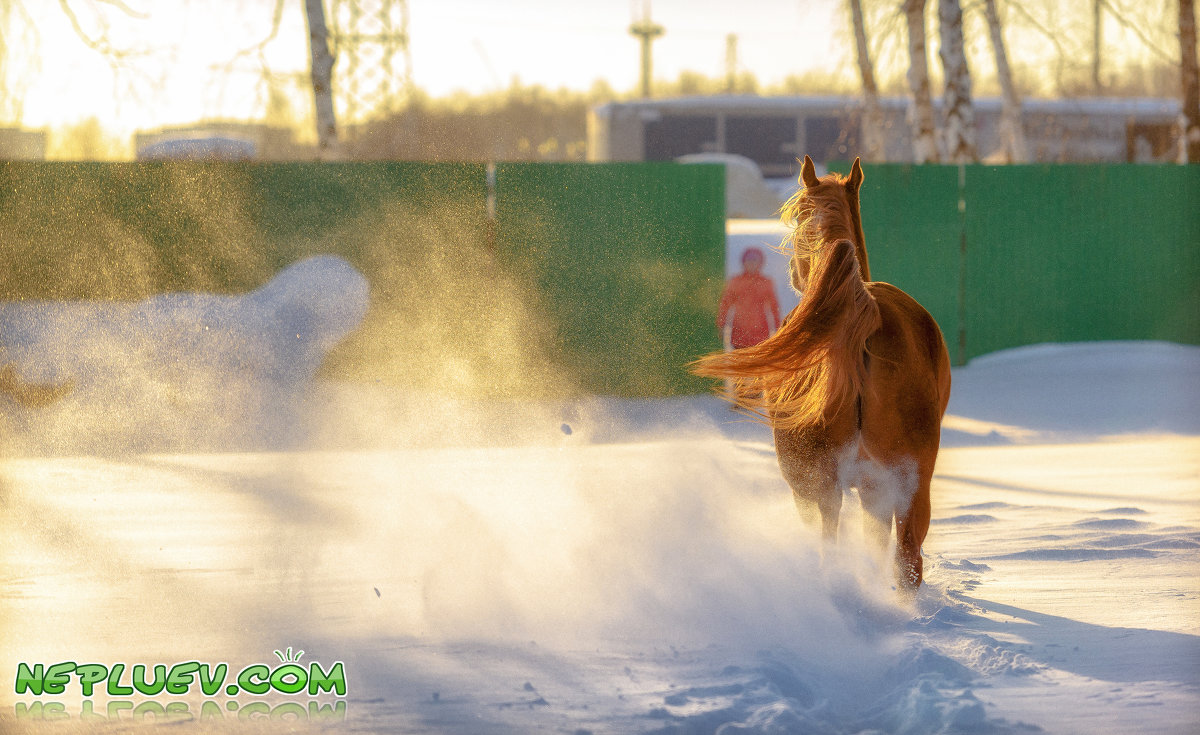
[
  {"x": 816, "y": 493},
  {"x": 818, "y": 496},
  {"x": 911, "y": 528},
  {"x": 812, "y": 475}
]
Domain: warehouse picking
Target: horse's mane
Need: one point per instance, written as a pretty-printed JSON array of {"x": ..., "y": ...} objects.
[
  {"x": 820, "y": 215},
  {"x": 813, "y": 367}
]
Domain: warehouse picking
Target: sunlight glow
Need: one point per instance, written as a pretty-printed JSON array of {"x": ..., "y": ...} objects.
[{"x": 158, "y": 64}]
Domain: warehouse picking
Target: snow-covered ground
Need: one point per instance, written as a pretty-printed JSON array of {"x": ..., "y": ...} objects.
[{"x": 594, "y": 565}]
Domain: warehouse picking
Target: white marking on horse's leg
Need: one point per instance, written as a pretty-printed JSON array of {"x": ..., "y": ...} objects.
[
  {"x": 877, "y": 512},
  {"x": 886, "y": 490}
]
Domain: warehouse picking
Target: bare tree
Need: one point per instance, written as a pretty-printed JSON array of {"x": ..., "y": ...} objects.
[
  {"x": 874, "y": 147},
  {"x": 322, "y": 79},
  {"x": 958, "y": 111},
  {"x": 925, "y": 149},
  {"x": 1097, "y": 25},
  {"x": 15, "y": 22},
  {"x": 1189, "y": 143},
  {"x": 1012, "y": 134},
  {"x": 18, "y": 29}
]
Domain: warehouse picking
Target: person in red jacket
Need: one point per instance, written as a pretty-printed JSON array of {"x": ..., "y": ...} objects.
[{"x": 751, "y": 297}]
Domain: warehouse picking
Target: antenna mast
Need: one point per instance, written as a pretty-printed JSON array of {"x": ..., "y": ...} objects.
[{"x": 646, "y": 30}]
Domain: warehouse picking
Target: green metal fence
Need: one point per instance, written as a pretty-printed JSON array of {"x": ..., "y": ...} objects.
[
  {"x": 588, "y": 279},
  {"x": 554, "y": 279},
  {"x": 1004, "y": 256},
  {"x": 129, "y": 230},
  {"x": 628, "y": 262},
  {"x": 911, "y": 225},
  {"x": 1076, "y": 253}
]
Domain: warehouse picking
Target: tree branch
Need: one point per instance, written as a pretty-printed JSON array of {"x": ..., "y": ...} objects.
[
  {"x": 124, "y": 73},
  {"x": 1050, "y": 35},
  {"x": 125, "y": 9},
  {"x": 1129, "y": 25},
  {"x": 257, "y": 50},
  {"x": 100, "y": 42}
]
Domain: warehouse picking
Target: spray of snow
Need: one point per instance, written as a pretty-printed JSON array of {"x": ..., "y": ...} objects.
[{"x": 606, "y": 565}]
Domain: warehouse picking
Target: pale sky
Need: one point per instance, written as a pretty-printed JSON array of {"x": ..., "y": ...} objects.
[
  {"x": 180, "y": 74},
  {"x": 472, "y": 45}
]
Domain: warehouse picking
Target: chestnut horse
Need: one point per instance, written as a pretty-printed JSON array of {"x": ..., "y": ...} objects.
[{"x": 855, "y": 382}]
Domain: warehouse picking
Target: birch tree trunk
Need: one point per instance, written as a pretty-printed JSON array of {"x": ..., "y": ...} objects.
[
  {"x": 1189, "y": 142},
  {"x": 957, "y": 109},
  {"x": 322, "y": 79},
  {"x": 920, "y": 112},
  {"x": 1012, "y": 133},
  {"x": 873, "y": 144},
  {"x": 1097, "y": 21}
]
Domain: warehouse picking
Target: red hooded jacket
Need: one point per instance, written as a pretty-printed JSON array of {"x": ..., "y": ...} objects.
[{"x": 750, "y": 295}]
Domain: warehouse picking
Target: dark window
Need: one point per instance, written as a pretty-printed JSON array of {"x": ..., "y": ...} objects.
[
  {"x": 830, "y": 138},
  {"x": 672, "y": 136},
  {"x": 768, "y": 141}
]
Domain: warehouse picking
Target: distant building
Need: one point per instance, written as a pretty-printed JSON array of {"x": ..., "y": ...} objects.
[
  {"x": 775, "y": 131},
  {"x": 220, "y": 141},
  {"x": 22, "y": 145},
  {"x": 199, "y": 148}
]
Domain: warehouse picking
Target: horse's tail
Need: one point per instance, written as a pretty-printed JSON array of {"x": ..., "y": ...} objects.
[{"x": 815, "y": 365}]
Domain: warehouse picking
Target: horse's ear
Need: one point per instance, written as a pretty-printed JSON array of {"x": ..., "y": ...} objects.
[
  {"x": 856, "y": 177},
  {"x": 808, "y": 174}
]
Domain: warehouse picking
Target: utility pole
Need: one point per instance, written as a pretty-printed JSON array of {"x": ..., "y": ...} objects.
[
  {"x": 731, "y": 63},
  {"x": 646, "y": 30}
]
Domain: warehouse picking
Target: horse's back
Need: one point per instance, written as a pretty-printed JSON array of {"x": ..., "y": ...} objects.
[{"x": 908, "y": 382}]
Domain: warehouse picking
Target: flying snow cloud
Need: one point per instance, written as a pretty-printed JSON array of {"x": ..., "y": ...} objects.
[{"x": 181, "y": 369}]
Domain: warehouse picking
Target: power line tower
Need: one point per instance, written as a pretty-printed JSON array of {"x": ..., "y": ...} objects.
[
  {"x": 370, "y": 39},
  {"x": 646, "y": 30}
]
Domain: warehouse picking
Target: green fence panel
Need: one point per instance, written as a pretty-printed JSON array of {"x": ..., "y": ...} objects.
[
  {"x": 1083, "y": 252},
  {"x": 601, "y": 278},
  {"x": 419, "y": 233},
  {"x": 132, "y": 230},
  {"x": 624, "y": 265},
  {"x": 913, "y": 237},
  {"x": 591, "y": 278},
  {"x": 912, "y": 226},
  {"x": 124, "y": 230},
  {"x": 1040, "y": 253},
  {"x": 129, "y": 230}
]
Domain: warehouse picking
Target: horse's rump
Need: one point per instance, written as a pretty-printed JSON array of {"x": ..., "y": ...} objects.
[{"x": 908, "y": 334}]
